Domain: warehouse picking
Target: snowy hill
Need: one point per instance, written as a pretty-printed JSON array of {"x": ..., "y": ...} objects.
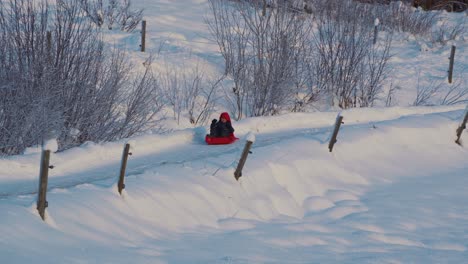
[{"x": 392, "y": 191}]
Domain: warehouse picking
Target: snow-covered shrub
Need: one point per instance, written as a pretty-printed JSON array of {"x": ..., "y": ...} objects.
[
  {"x": 394, "y": 16},
  {"x": 275, "y": 55},
  {"x": 347, "y": 65},
  {"x": 457, "y": 92},
  {"x": 112, "y": 12},
  {"x": 189, "y": 91},
  {"x": 440, "y": 92},
  {"x": 64, "y": 84},
  {"x": 262, "y": 51},
  {"x": 444, "y": 32}
]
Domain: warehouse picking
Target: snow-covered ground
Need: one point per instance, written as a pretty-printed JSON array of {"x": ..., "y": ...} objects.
[{"x": 393, "y": 190}]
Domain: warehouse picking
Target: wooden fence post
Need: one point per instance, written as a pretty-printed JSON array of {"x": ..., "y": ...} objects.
[
  {"x": 376, "y": 30},
  {"x": 461, "y": 128},
  {"x": 49, "y": 46},
  {"x": 240, "y": 166},
  {"x": 452, "y": 58},
  {"x": 143, "y": 35},
  {"x": 43, "y": 177},
  {"x": 333, "y": 140},
  {"x": 123, "y": 167}
]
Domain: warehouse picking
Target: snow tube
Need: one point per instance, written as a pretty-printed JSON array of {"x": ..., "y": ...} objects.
[{"x": 220, "y": 140}]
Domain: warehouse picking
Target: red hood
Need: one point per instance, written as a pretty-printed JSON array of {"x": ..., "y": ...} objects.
[{"x": 226, "y": 116}]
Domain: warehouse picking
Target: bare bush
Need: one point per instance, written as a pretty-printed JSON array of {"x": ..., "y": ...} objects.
[
  {"x": 64, "y": 84},
  {"x": 426, "y": 93},
  {"x": 189, "y": 91},
  {"x": 143, "y": 102},
  {"x": 457, "y": 92},
  {"x": 129, "y": 19},
  {"x": 347, "y": 66},
  {"x": 275, "y": 48},
  {"x": 277, "y": 63},
  {"x": 423, "y": 94},
  {"x": 112, "y": 12},
  {"x": 440, "y": 93},
  {"x": 395, "y": 16},
  {"x": 260, "y": 48},
  {"x": 390, "y": 97},
  {"x": 445, "y": 32},
  {"x": 404, "y": 18},
  {"x": 232, "y": 36}
]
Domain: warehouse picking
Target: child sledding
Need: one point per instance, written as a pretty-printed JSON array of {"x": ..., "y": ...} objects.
[{"x": 221, "y": 132}]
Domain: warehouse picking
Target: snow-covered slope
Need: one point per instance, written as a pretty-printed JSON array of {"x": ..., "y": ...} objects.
[
  {"x": 391, "y": 190},
  {"x": 177, "y": 32}
]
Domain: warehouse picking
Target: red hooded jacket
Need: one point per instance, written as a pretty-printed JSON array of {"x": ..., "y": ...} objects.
[
  {"x": 226, "y": 116},
  {"x": 221, "y": 129}
]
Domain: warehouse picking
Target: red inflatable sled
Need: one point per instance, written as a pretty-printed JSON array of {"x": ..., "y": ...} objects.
[{"x": 220, "y": 140}]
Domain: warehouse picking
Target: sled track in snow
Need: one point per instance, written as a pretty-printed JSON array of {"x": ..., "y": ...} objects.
[
  {"x": 139, "y": 165},
  {"x": 107, "y": 175}
]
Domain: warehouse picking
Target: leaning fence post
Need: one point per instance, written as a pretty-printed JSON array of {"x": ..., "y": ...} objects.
[
  {"x": 245, "y": 153},
  {"x": 462, "y": 127},
  {"x": 43, "y": 176},
  {"x": 452, "y": 58},
  {"x": 123, "y": 166},
  {"x": 333, "y": 140},
  {"x": 143, "y": 35}
]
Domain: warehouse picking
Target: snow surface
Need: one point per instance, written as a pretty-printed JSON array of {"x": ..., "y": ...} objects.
[{"x": 393, "y": 190}]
